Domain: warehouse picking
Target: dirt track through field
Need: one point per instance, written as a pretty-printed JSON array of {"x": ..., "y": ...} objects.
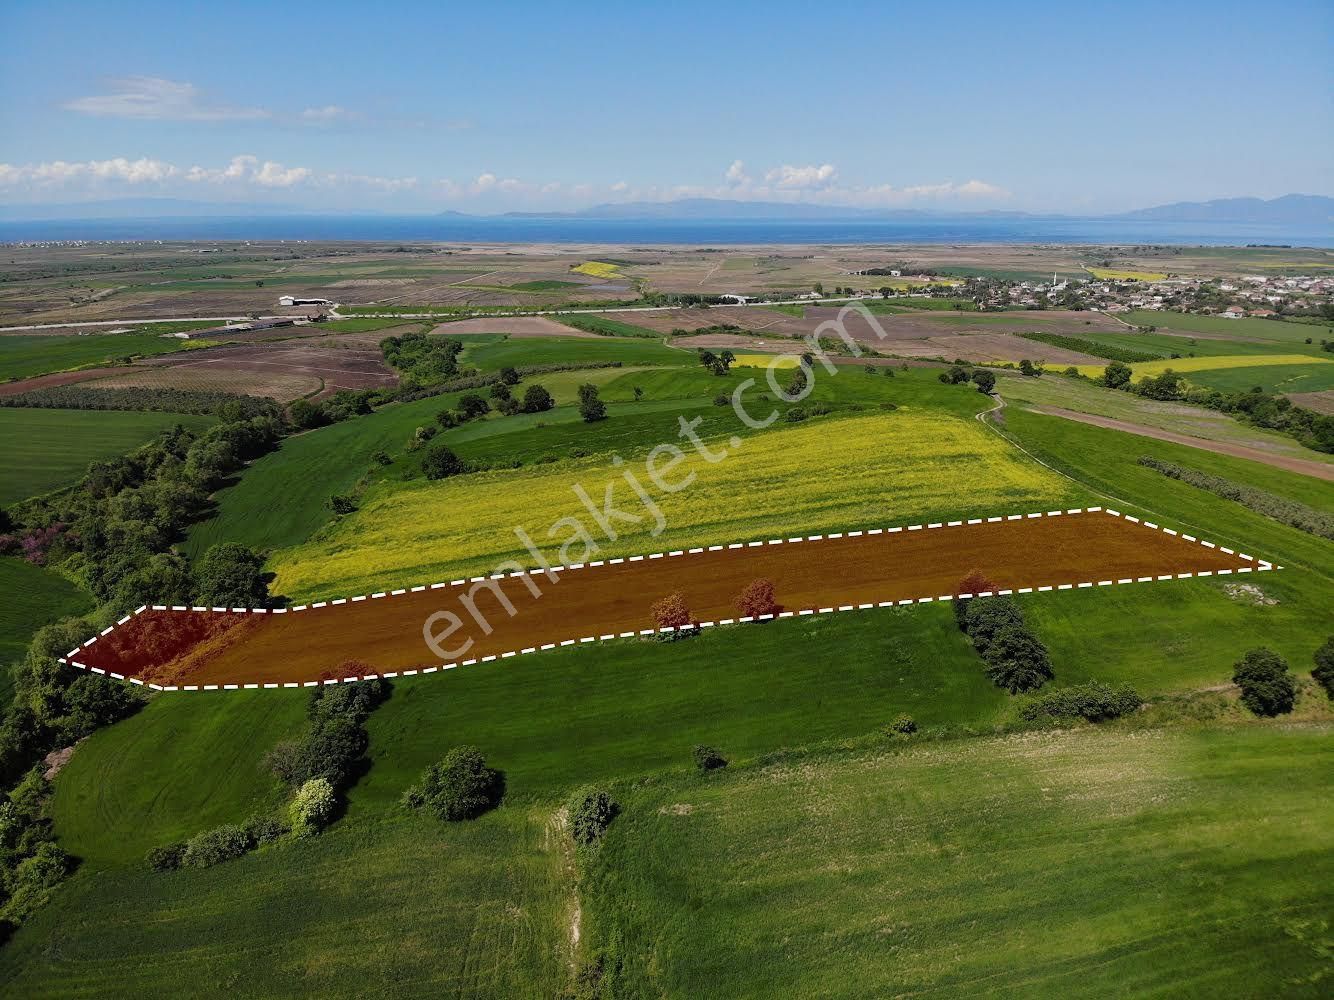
[
  {"x": 384, "y": 633},
  {"x": 1306, "y": 467}
]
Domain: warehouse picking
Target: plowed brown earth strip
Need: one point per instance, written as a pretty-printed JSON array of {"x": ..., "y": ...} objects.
[{"x": 386, "y": 633}]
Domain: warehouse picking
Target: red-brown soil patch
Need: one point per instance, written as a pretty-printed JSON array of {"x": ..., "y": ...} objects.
[
  {"x": 59, "y": 378},
  {"x": 515, "y": 326},
  {"x": 603, "y": 601}
]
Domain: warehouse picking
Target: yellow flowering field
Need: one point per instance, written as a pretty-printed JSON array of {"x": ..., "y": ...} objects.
[
  {"x": 597, "y": 269},
  {"x": 765, "y": 360},
  {"x": 825, "y": 475},
  {"x": 1188, "y": 365}
]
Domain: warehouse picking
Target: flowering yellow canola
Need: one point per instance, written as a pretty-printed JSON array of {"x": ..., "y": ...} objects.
[{"x": 826, "y": 475}]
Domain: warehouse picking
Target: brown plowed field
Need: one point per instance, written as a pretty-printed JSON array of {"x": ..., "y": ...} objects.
[
  {"x": 168, "y": 647},
  {"x": 515, "y": 326}
]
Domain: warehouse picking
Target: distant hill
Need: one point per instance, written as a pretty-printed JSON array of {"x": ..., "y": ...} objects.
[{"x": 1291, "y": 209}]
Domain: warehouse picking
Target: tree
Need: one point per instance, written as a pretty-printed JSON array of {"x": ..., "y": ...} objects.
[
  {"x": 590, "y": 814},
  {"x": 1266, "y": 686},
  {"x": 976, "y": 582},
  {"x": 500, "y": 391},
  {"x": 757, "y": 599},
  {"x": 986, "y": 381},
  {"x": 459, "y": 787},
  {"x": 955, "y": 375},
  {"x": 591, "y": 408},
  {"x": 313, "y": 807},
  {"x": 1323, "y": 674},
  {"x": 1027, "y": 367},
  {"x": 536, "y": 399},
  {"x": 985, "y": 617},
  {"x": 708, "y": 758},
  {"x": 473, "y": 405},
  {"x": 509, "y": 376},
  {"x": 440, "y": 462},
  {"x": 1016, "y": 660},
  {"x": 639, "y": 393},
  {"x": 232, "y": 576},
  {"x": 671, "y": 612},
  {"x": 1116, "y": 375}
]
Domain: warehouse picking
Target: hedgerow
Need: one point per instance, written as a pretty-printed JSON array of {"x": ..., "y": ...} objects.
[
  {"x": 1289, "y": 512},
  {"x": 1094, "y": 702},
  {"x": 1091, "y": 347}
]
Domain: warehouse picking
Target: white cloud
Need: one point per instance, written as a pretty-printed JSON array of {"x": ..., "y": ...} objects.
[
  {"x": 248, "y": 169},
  {"x": 153, "y": 98},
  {"x": 327, "y": 115},
  {"x": 58, "y": 172},
  {"x": 809, "y": 178},
  {"x": 736, "y": 173}
]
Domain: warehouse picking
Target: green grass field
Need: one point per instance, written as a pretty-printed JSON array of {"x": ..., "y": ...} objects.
[
  {"x": 44, "y": 450},
  {"x": 33, "y": 597},
  {"x": 1069, "y": 864},
  {"x": 1251, "y": 328},
  {"x": 1166, "y": 345},
  {"x": 22, "y": 356},
  {"x": 1271, "y": 378},
  {"x": 517, "y": 352}
]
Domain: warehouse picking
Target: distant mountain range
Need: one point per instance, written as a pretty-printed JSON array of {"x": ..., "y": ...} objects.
[{"x": 1289, "y": 210}]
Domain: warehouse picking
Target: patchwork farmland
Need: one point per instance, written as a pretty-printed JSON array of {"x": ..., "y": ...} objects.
[{"x": 796, "y": 605}]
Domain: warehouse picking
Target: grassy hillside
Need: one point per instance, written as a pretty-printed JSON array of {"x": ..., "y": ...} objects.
[
  {"x": 23, "y": 355},
  {"x": 43, "y": 450},
  {"x": 832, "y": 474},
  {"x": 33, "y": 597},
  {"x": 1065, "y": 864}
]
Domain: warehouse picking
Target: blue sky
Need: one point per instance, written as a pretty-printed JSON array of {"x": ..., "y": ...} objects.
[{"x": 485, "y": 107}]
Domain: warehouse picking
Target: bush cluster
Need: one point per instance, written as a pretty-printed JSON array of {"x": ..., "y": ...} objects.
[
  {"x": 78, "y": 397},
  {"x": 458, "y": 787},
  {"x": 1266, "y": 686},
  {"x": 708, "y": 758},
  {"x": 425, "y": 360},
  {"x": 1094, "y": 702},
  {"x": 335, "y": 742},
  {"x": 1289, "y": 512},
  {"x": 1015, "y": 658}
]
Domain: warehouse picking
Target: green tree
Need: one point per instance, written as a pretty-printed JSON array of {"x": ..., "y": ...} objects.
[
  {"x": 591, "y": 408},
  {"x": 232, "y": 576},
  {"x": 1324, "y": 666},
  {"x": 1016, "y": 660},
  {"x": 986, "y": 381},
  {"x": 459, "y": 787},
  {"x": 440, "y": 462},
  {"x": 536, "y": 399},
  {"x": 591, "y": 813},
  {"x": 1266, "y": 686},
  {"x": 1116, "y": 375}
]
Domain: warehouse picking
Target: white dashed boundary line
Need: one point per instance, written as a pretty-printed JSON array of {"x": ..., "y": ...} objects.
[{"x": 1261, "y": 566}]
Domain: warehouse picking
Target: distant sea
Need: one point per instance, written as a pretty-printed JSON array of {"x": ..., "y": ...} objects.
[{"x": 648, "y": 232}]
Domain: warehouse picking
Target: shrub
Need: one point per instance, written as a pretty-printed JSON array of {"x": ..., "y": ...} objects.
[
  {"x": 722, "y": 399},
  {"x": 459, "y": 787},
  {"x": 167, "y": 858},
  {"x": 264, "y": 829},
  {"x": 446, "y": 419},
  {"x": 1116, "y": 375},
  {"x": 472, "y": 405},
  {"x": 1027, "y": 367},
  {"x": 509, "y": 406},
  {"x": 212, "y": 847},
  {"x": 440, "y": 462},
  {"x": 1016, "y": 660},
  {"x": 342, "y": 504},
  {"x": 1323, "y": 674},
  {"x": 536, "y": 399},
  {"x": 509, "y": 376},
  {"x": 795, "y": 415},
  {"x": 757, "y": 599},
  {"x": 985, "y": 380},
  {"x": 1094, "y": 702},
  {"x": 904, "y": 725},
  {"x": 708, "y": 758},
  {"x": 500, "y": 391},
  {"x": 313, "y": 807},
  {"x": 671, "y": 612},
  {"x": 1266, "y": 686},
  {"x": 590, "y": 815}
]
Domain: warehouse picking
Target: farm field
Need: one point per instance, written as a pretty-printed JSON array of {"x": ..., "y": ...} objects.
[
  {"x": 43, "y": 450},
  {"x": 1198, "y": 368},
  {"x": 277, "y": 385},
  {"x": 1182, "y": 418},
  {"x": 1160, "y": 862},
  {"x": 1074, "y": 549},
  {"x": 1278, "y": 378},
  {"x": 33, "y": 597},
  {"x": 1247, "y": 327},
  {"x": 1112, "y": 274},
  {"x": 786, "y": 478},
  {"x": 24, "y": 355},
  {"x": 492, "y": 355}
]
